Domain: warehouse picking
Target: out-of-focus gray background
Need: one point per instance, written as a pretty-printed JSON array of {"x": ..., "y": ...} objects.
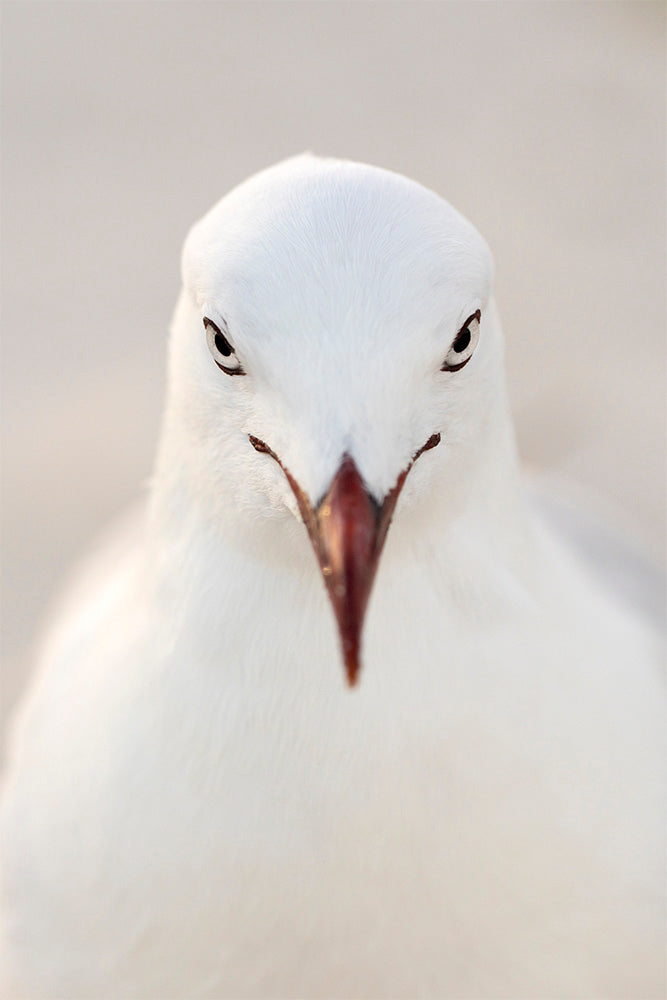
[{"x": 122, "y": 123}]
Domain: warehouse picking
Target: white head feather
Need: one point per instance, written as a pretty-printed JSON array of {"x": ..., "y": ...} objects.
[{"x": 342, "y": 288}]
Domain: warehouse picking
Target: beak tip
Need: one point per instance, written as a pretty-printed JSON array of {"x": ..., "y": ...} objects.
[{"x": 352, "y": 668}]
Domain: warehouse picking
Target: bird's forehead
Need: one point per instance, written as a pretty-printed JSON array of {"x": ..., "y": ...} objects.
[{"x": 331, "y": 246}]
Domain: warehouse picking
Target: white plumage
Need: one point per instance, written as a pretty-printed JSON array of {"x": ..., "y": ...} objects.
[{"x": 196, "y": 804}]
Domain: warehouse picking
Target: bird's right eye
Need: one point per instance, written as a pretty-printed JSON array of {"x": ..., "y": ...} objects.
[
  {"x": 464, "y": 344},
  {"x": 222, "y": 351}
]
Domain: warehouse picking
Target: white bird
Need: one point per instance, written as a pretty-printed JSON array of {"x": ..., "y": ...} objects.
[{"x": 197, "y": 803}]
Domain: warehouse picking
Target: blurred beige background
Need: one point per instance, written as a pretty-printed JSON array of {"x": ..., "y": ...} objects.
[{"x": 122, "y": 122}]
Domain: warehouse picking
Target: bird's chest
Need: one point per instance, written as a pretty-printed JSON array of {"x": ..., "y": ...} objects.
[
  {"x": 238, "y": 836},
  {"x": 307, "y": 835},
  {"x": 308, "y": 772},
  {"x": 270, "y": 785},
  {"x": 306, "y": 840}
]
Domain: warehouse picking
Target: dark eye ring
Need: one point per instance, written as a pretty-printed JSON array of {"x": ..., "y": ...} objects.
[
  {"x": 222, "y": 351},
  {"x": 463, "y": 345}
]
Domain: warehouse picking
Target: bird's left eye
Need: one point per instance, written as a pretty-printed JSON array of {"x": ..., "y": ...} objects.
[
  {"x": 464, "y": 344},
  {"x": 222, "y": 351}
]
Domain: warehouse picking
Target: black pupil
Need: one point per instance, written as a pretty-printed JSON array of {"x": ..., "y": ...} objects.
[
  {"x": 461, "y": 342},
  {"x": 222, "y": 346}
]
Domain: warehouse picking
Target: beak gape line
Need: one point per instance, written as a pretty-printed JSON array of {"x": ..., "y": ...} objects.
[{"x": 347, "y": 530}]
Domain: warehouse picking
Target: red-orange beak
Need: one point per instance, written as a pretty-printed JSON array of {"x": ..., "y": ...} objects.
[{"x": 347, "y": 530}]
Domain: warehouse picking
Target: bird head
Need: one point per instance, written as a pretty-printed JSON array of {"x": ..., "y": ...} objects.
[{"x": 333, "y": 351}]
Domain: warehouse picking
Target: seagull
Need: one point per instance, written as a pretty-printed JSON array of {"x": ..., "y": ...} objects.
[{"x": 344, "y": 710}]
